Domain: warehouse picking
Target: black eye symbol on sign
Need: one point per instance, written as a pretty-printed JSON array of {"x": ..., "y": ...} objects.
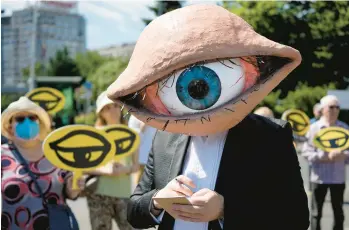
[
  {"x": 81, "y": 157},
  {"x": 123, "y": 145},
  {"x": 298, "y": 122},
  {"x": 333, "y": 142},
  {"x": 46, "y": 104}
]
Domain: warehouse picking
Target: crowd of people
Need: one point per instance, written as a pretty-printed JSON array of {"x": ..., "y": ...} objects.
[
  {"x": 327, "y": 169},
  {"x": 25, "y": 125},
  {"x": 183, "y": 155}
]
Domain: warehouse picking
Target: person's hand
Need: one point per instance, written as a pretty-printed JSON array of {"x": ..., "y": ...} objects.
[
  {"x": 119, "y": 169},
  {"x": 176, "y": 187},
  {"x": 73, "y": 193},
  {"x": 207, "y": 205},
  {"x": 336, "y": 155}
]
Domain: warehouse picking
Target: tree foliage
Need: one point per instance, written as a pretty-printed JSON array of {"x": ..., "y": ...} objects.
[
  {"x": 319, "y": 30},
  {"x": 62, "y": 65},
  {"x": 162, "y": 7},
  {"x": 89, "y": 62},
  {"x": 304, "y": 97},
  {"x": 8, "y": 98},
  {"x": 106, "y": 74},
  {"x": 59, "y": 65},
  {"x": 39, "y": 71}
]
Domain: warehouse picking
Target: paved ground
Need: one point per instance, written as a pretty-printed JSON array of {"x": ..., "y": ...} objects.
[
  {"x": 81, "y": 211},
  {"x": 327, "y": 213}
]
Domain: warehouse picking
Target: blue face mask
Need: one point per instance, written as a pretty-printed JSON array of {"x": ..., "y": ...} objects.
[{"x": 27, "y": 129}]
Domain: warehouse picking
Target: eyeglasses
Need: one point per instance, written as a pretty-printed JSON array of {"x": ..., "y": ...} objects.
[
  {"x": 20, "y": 119},
  {"x": 334, "y": 107}
]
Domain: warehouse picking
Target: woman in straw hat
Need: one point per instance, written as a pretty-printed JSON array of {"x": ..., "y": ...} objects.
[
  {"x": 25, "y": 125},
  {"x": 109, "y": 198}
]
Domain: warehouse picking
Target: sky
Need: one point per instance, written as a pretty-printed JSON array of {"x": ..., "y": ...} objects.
[{"x": 108, "y": 22}]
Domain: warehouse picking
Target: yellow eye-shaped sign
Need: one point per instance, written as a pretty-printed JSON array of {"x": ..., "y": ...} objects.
[
  {"x": 298, "y": 119},
  {"x": 78, "y": 148},
  {"x": 126, "y": 140},
  {"x": 50, "y": 99},
  {"x": 332, "y": 138}
]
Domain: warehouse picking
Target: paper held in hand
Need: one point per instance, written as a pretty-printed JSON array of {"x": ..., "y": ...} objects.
[{"x": 166, "y": 203}]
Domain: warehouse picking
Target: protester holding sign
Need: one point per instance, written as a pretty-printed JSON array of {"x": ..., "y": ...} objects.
[
  {"x": 29, "y": 181},
  {"x": 111, "y": 195},
  {"x": 327, "y": 167}
]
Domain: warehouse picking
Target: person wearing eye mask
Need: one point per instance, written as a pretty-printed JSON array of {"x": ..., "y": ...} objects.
[
  {"x": 109, "y": 187},
  {"x": 196, "y": 74},
  {"x": 327, "y": 168},
  {"x": 25, "y": 125}
]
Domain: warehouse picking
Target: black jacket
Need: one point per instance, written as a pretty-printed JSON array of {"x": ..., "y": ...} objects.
[{"x": 259, "y": 177}]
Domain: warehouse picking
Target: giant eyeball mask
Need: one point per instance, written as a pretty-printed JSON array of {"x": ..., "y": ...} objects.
[{"x": 200, "y": 70}]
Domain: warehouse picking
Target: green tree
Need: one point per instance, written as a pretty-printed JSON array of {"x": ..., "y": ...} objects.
[
  {"x": 8, "y": 98},
  {"x": 39, "y": 71},
  {"x": 89, "y": 62},
  {"x": 59, "y": 65},
  {"x": 106, "y": 74},
  {"x": 162, "y": 7},
  {"x": 319, "y": 30},
  {"x": 62, "y": 65},
  {"x": 304, "y": 97}
]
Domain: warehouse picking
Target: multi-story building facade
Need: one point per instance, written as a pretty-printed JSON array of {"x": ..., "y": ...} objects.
[
  {"x": 7, "y": 48},
  {"x": 124, "y": 50},
  {"x": 58, "y": 25}
]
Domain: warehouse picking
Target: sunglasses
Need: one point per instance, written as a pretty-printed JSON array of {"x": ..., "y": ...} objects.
[
  {"x": 20, "y": 119},
  {"x": 334, "y": 107}
]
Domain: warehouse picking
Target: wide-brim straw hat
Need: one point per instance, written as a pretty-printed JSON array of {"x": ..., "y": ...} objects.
[
  {"x": 102, "y": 101},
  {"x": 23, "y": 104}
]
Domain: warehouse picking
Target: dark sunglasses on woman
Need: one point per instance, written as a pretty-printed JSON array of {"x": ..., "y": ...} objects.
[
  {"x": 334, "y": 107},
  {"x": 20, "y": 119}
]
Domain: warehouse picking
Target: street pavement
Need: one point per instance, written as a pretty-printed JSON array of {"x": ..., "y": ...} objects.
[
  {"x": 327, "y": 218},
  {"x": 81, "y": 210}
]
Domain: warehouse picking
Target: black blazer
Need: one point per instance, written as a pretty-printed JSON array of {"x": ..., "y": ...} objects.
[{"x": 259, "y": 177}]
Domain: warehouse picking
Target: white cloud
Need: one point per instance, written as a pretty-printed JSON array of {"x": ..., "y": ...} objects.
[
  {"x": 10, "y": 6},
  {"x": 100, "y": 11},
  {"x": 135, "y": 10}
]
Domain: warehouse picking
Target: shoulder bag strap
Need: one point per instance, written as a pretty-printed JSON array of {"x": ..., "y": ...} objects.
[{"x": 21, "y": 159}]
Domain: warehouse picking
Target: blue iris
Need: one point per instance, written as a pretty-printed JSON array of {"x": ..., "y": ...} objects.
[{"x": 198, "y": 88}]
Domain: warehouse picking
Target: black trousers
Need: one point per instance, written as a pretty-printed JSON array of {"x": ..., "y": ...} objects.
[{"x": 318, "y": 199}]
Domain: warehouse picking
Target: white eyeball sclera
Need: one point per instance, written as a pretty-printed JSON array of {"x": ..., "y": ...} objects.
[{"x": 202, "y": 87}]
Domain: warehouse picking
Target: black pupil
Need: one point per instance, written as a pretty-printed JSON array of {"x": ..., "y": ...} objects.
[{"x": 198, "y": 89}]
